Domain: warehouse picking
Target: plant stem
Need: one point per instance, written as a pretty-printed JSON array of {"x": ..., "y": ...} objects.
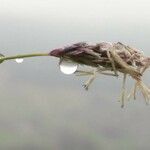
[{"x": 23, "y": 56}]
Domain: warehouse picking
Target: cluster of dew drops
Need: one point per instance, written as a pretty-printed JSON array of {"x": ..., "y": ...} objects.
[{"x": 66, "y": 67}]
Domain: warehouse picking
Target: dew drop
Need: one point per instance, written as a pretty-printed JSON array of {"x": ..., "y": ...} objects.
[
  {"x": 19, "y": 60},
  {"x": 67, "y": 66}
]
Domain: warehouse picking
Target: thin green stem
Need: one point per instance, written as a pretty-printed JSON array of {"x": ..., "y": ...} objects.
[{"x": 23, "y": 56}]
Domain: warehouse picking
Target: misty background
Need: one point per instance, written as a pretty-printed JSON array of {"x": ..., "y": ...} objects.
[{"x": 41, "y": 108}]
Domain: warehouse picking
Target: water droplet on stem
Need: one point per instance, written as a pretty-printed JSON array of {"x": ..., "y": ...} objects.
[
  {"x": 67, "y": 66},
  {"x": 19, "y": 60}
]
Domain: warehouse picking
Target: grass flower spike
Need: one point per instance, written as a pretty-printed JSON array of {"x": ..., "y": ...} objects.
[{"x": 105, "y": 58}]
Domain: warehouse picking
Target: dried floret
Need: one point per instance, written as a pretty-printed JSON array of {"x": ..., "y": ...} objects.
[{"x": 109, "y": 59}]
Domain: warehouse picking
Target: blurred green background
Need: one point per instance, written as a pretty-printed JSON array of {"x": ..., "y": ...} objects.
[{"x": 43, "y": 109}]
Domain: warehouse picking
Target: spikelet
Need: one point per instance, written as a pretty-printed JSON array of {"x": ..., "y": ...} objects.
[{"x": 110, "y": 59}]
